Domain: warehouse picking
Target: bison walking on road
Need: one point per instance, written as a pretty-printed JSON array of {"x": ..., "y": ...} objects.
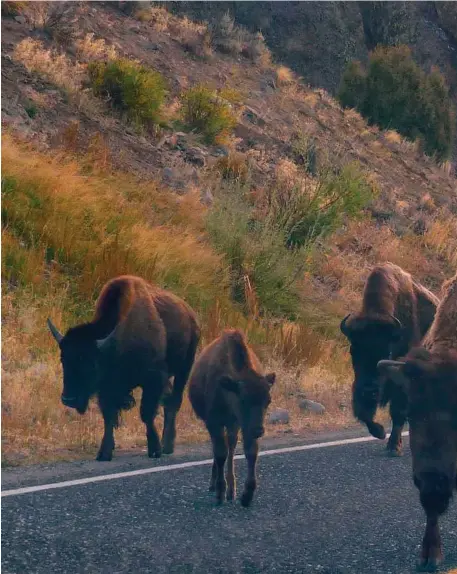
[
  {"x": 140, "y": 337},
  {"x": 396, "y": 313},
  {"x": 228, "y": 391},
  {"x": 428, "y": 376}
]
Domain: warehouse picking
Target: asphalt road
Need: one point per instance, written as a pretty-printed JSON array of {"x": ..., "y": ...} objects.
[{"x": 340, "y": 509}]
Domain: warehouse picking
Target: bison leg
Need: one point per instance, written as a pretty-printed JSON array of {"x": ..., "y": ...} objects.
[
  {"x": 212, "y": 483},
  {"x": 148, "y": 411},
  {"x": 219, "y": 441},
  {"x": 431, "y": 554},
  {"x": 110, "y": 418},
  {"x": 173, "y": 402},
  {"x": 398, "y": 406},
  {"x": 251, "y": 450},
  {"x": 232, "y": 436}
]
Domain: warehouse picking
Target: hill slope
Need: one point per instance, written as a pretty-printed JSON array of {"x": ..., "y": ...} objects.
[{"x": 87, "y": 195}]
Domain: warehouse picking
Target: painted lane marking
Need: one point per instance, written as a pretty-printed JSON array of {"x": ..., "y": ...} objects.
[{"x": 181, "y": 465}]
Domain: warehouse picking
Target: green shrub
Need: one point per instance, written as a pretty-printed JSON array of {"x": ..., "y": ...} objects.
[
  {"x": 255, "y": 252},
  {"x": 351, "y": 93},
  {"x": 131, "y": 88},
  {"x": 204, "y": 111},
  {"x": 394, "y": 93},
  {"x": 306, "y": 215}
]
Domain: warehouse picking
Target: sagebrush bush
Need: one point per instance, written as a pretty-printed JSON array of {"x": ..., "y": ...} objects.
[
  {"x": 131, "y": 88},
  {"x": 315, "y": 211},
  {"x": 395, "y": 93},
  {"x": 206, "y": 112},
  {"x": 256, "y": 256}
]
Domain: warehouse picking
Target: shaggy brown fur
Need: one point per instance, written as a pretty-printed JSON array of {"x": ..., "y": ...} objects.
[
  {"x": 229, "y": 391},
  {"x": 396, "y": 313},
  {"x": 140, "y": 336},
  {"x": 428, "y": 375}
]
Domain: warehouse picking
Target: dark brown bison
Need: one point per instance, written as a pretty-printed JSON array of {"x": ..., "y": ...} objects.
[
  {"x": 140, "y": 337},
  {"x": 428, "y": 377},
  {"x": 228, "y": 391},
  {"x": 396, "y": 313}
]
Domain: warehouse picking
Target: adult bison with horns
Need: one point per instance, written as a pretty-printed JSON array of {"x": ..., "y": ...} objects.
[
  {"x": 396, "y": 313},
  {"x": 141, "y": 336}
]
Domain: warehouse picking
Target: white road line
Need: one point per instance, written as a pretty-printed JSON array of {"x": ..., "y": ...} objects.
[{"x": 165, "y": 468}]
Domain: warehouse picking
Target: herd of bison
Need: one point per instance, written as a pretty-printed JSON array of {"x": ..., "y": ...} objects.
[{"x": 403, "y": 345}]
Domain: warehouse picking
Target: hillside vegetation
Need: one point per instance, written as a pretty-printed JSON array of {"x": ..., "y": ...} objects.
[{"x": 143, "y": 144}]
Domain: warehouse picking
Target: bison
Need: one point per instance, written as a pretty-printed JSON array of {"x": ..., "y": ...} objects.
[
  {"x": 228, "y": 391},
  {"x": 428, "y": 377},
  {"x": 396, "y": 313},
  {"x": 140, "y": 337}
]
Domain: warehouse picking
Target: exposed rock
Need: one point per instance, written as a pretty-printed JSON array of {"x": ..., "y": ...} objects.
[
  {"x": 307, "y": 405},
  {"x": 173, "y": 178},
  {"x": 21, "y": 19},
  {"x": 206, "y": 197},
  {"x": 196, "y": 156},
  {"x": 278, "y": 416}
]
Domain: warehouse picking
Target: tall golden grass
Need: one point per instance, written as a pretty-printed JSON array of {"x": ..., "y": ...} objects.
[{"x": 67, "y": 229}]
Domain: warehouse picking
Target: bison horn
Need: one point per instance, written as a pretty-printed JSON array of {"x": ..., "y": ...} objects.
[
  {"x": 388, "y": 363},
  {"x": 343, "y": 327},
  {"x": 397, "y": 322},
  {"x": 103, "y": 344},
  {"x": 55, "y": 332}
]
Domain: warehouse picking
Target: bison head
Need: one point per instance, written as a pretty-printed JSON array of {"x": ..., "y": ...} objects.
[
  {"x": 81, "y": 356},
  {"x": 371, "y": 340},
  {"x": 429, "y": 380},
  {"x": 253, "y": 398}
]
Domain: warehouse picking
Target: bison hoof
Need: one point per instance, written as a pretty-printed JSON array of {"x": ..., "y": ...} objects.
[
  {"x": 428, "y": 565},
  {"x": 155, "y": 453},
  {"x": 246, "y": 499},
  {"x": 168, "y": 449},
  {"x": 104, "y": 456},
  {"x": 394, "y": 452},
  {"x": 230, "y": 495}
]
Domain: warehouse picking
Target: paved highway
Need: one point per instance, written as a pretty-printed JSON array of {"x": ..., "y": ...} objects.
[{"x": 337, "y": 509}]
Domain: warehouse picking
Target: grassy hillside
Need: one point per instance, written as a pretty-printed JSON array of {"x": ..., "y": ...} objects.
[{"x": 255, "y": 198}]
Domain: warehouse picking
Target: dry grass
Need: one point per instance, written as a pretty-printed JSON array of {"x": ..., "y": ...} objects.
[
  {"x": 65, "y": 234},
  {"x": 56, "y": 68},
  {"x": 284, "y": 76},
  {"x": 88, "y": 49},
  {"x": 441, "y": 236}
]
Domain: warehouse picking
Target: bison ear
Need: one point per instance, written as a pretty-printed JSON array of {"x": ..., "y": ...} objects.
[
  {"x": 270, "y": 378},
  {"x": 230, "y": 385},
  {"x": 394, "y": 370},
  {"x": 104, "y": 344}
]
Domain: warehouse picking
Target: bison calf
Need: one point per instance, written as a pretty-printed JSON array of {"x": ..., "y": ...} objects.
[
  {"x": 140, "y": 337},
  {"x": 229, "y": 391},
  {"x": 428, "y": 376}
]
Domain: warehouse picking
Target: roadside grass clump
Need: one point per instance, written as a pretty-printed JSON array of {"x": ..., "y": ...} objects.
[
  {"x": 395, "y": 93},
  {"x": 134, "y": 90},
  {"x": 204, "y": 111}
]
